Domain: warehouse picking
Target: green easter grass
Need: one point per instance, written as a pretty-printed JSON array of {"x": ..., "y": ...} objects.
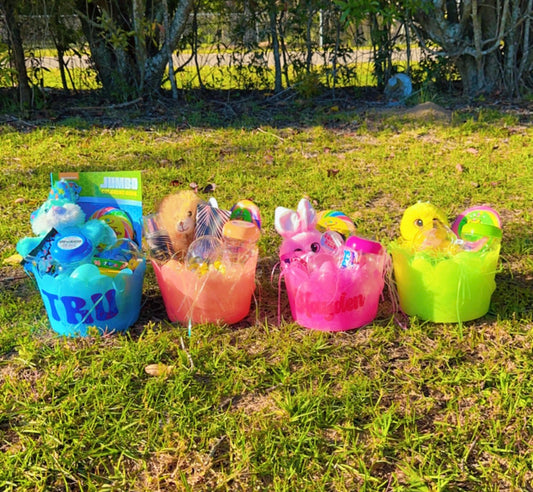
[{"x": 266, "y": 404}]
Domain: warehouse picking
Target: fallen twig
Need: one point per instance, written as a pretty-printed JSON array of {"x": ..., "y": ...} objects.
[
  {"x": 9, "y": 119},
  {"x": 191, "y": 363},
  {"x": 101, "y": 108},
  {"x": 269, "y": 133},
  {"x": 9, "y": 279},
  {"x": 216, "y": 446}
]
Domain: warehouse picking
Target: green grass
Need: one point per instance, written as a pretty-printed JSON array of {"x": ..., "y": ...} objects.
[
  {"x": 229, "y": 77},
  {"x": 264, "y": 404},
  {"x": 222, "y": 78}
]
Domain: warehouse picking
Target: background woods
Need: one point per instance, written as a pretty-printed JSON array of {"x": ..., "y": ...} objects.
[{"x": 133, "y": 49}]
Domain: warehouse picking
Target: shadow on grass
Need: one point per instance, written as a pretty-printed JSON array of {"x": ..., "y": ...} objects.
[
  {"x": 513, "y": 297},
  {"x": 198, "y": 108}
]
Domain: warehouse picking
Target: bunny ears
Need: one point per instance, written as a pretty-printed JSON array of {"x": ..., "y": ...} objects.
[{"x": 289, "y": 222}]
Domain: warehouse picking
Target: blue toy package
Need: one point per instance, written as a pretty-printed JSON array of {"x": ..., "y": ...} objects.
[
  {"x": 87, "y": 258},
  {"x": 114, "y": 197}
]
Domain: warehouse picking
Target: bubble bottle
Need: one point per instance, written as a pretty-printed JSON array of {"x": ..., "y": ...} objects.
[
  {"x": 239, "y": 241},
  {"x": 362, "y": 252},
  {"x": 157, "y": 239},
  {"x": 70, "y": 249}
]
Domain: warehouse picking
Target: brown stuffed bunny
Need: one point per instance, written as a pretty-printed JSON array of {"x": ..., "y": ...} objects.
[{"x": 177, "y": 213}]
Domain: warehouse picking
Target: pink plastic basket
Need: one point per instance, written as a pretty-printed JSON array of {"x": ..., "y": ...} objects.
[{"x": 336, "y": 299}]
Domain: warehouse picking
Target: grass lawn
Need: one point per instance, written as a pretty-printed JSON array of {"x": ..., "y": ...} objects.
[{"x": 266, "y": 404}]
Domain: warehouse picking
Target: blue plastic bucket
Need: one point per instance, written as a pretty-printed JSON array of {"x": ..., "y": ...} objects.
[{"x": 77, "y": 305}]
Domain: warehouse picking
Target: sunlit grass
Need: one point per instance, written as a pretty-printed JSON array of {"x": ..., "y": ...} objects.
[
  {"x": 220, "y": 75},
  {"x": 220, "y": 78},
  {"x": 269, "y": 405},
  {"x": 77, "y": 78}
]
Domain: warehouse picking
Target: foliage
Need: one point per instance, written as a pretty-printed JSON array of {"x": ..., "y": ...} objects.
[
  {"x": 7, "y": 76},
  {"x": 308, "y": 85},
  {"x": 279, "y": 43},
  {"x": 490, "y": 42},
  {"x": 434, "y": 76},
  {"x": 132, "y": 42}
]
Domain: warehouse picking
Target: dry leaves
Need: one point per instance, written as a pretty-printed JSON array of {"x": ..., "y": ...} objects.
[
  {"x": 13, "y": 260},
  {"x": 159, "y": 369}
]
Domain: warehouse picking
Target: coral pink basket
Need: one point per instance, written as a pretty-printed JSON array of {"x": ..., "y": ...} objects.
[
  {"x": 336, "y": 300},
  {"x": 210, "y": 298}
]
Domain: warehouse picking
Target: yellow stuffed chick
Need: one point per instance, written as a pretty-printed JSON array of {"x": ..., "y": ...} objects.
[{"x": 424, "y": 226}]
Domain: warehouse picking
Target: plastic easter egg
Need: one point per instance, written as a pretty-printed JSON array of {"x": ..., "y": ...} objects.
[
  {"x": 117, "y": 219},
  {"x": 476, "y": 226},
  {"x": 86, "y": 272},
  {"x": 246, "y": 210},
  {"x": 332, "y": 220},
  {"x": 203, "y": 252},
  {"x": 476, "y": 215}
]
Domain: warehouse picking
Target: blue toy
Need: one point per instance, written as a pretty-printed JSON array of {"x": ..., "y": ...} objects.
[
  {"x": 59, "y": 216},
  {"x": 60, "y": 211}
]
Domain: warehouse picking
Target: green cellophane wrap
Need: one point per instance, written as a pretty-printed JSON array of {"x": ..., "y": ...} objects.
[{"x": 445, "y": 288}]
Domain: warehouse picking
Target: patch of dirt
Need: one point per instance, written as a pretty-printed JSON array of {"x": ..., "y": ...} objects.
[{"x": 428, "y": 111}]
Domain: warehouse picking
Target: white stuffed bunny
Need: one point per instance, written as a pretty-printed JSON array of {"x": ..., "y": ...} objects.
[{"x": 298, "y": 229}]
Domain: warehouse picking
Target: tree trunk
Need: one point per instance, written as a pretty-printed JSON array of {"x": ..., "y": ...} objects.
[
  {"x": 62, "y": 67},
  {"x": 8, "y": 8},
  {"x": 168, "y": 52},
  {"x": 308, "y": 41},
  {"x": 272, "y": 15},
  {"x": 155, "y": 65},
  {"x": 130, "y": 46},
  {"x": 381, "y": 47},
  {"x": 488, "y": 41},
  {"x": 110, "y": 49},
  {"x": 138, "y": 9},
  {"x": 250, "y": 33},
  {"x": 283, "y": 51},
  {"x": 195, "y": 46},
  {"x": 480, "y": 71}
]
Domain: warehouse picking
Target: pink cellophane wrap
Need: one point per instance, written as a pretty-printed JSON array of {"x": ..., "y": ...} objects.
[
  {"x": 213, "y": 297},
  {"x": 335, "y": 299}
]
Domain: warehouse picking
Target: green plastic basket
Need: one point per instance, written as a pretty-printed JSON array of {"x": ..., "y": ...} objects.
[{"x": 443, "y": 288}]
